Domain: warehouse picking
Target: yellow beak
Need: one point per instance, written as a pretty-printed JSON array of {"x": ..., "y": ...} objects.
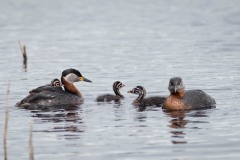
[{"x": 84, "y": 79}]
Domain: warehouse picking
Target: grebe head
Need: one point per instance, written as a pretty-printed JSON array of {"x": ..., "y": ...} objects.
[
  {"x": 56, "y": 83},
  {"x": 176, "y": 85},
  {"x": 138, "y": 90},
  {"x": 73, "y": 75},
  {"x": 118, "y": 85}
]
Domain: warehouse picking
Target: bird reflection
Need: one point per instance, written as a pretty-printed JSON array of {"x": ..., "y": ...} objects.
[
  {"x": 142, "y": 108},
  {"x": 178, "y": 123},
  {"x": 119, "y": 112},
  {"x": 68, "y": 122},
  {"x": 141, "y": 117}
]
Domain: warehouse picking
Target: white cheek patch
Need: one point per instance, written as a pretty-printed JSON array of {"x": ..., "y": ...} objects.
[{"x": 71, "y": 78}]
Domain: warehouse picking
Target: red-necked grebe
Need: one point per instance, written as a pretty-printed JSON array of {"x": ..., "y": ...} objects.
[
  {"x": 179, "y": 99},
  {"x": 55, "y": 96}
]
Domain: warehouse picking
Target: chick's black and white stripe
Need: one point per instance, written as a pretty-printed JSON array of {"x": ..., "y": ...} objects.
[
  {"x": 56, "y": 83},
  {"x": 116, "y": 88}
]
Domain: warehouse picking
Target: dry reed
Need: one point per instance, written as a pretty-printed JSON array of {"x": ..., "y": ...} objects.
[
  {"x": 24, "y": 53},
  {"x": 30, "y": 147},
  {"x": 6, "y": 123}
]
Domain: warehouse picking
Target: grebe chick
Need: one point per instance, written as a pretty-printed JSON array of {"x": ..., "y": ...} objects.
[
  {"x": 57, "y": 97},
  {"x": 110, "y": 97},
  {"x": 149, "y": 101},
  {"x": 48, "y": 87},
  {"x": 56, "y": 83},
  {"x": 179, "y": 99}
]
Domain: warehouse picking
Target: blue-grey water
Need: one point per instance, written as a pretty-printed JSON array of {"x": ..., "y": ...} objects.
[{"x": 139, "y": 42}]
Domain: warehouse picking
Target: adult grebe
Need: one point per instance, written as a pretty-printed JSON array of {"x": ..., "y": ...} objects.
[
  {"x": 109, "y": 97},
  {"x": 179, "y": 99},
  {"x": 149, "y": 101},
  {"x": 56, "y": 96}
]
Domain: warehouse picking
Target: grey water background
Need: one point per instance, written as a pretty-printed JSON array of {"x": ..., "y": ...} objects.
[{"x": 139, "y": 42}]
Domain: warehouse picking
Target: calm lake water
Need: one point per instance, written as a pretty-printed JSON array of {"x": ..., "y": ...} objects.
[{"x": 139, "y": 42}]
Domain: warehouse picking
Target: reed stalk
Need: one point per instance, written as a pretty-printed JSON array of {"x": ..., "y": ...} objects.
[
  {"x": 6, "y": 123},
  {"x": 24, "y": 53},
  {"x": 30, "y": 147}
]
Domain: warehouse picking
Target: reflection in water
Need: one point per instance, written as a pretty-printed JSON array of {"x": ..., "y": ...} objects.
[
  {"x": 178, "y": 123},
  {"x": 117, "y": 102},
  {"x": 40, "y": 108},
  {"x": 141, "y": 117},
  {"x": 142, "y": 108},
  {"x": 73, "y": 123},
  {"x": 118, "y": 112},
  {"x": 71, "y": 116}
]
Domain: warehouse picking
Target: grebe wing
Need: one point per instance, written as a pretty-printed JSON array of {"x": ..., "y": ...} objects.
[
  {"x": 48, "y": 98},
  {"x": 199, "y": 99},
  {"x": 45, "y": 88}
]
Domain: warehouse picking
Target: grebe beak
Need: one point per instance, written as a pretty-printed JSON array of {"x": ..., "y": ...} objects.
[
  {"x": 130, "y": 91},
  {"x": 84, "y": 79},
  {"x": 175, "y": 89}
]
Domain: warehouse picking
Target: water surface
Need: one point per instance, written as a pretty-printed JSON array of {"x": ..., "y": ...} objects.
[{"x": 139, "y": 43}]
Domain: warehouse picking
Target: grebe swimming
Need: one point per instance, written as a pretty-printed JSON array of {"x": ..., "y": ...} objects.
[
  {"x": 179, "y": 99},
  {"x": 56, "y": 96}
]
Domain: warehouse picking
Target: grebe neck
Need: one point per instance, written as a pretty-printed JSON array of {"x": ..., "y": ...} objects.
[
  {"x": 116, "y": 91},
  {"x": 141, "y": 95},
  {"x": 69, "y": 87},
  {"x": 179, "y": 94}
]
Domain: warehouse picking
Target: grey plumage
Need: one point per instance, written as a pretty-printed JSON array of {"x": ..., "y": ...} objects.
[{"x": 197, "y": 99}]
